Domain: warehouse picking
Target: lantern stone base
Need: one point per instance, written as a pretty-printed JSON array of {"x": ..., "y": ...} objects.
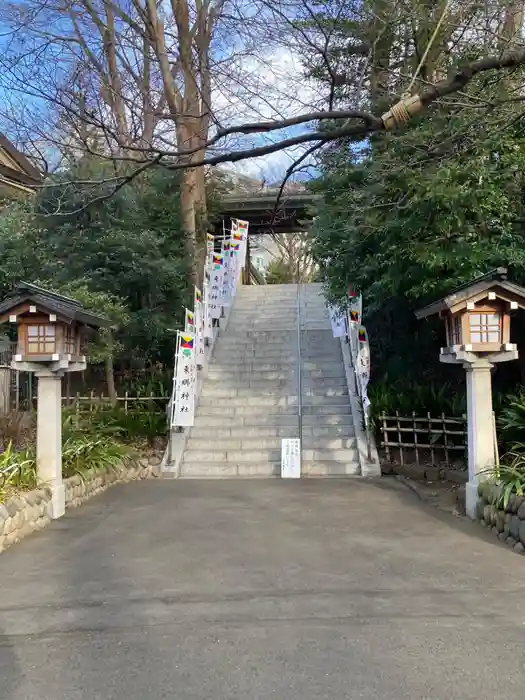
[
  {"x": 471, "y": 499},
  {"x": 58, "y": 500}
]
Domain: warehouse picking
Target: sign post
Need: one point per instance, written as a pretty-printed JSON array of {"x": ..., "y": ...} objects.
[{"x": 291, "y": 458}]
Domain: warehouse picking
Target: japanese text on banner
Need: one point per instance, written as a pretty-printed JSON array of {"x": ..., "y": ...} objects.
[{"x": 183, "y": 407}]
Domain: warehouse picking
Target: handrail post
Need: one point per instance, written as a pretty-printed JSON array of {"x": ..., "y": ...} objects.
[{"x": 299, "y": 373}]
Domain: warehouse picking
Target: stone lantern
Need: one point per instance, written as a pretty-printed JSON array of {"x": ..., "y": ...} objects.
[
  {"x": 51, "y": 330},
  {"x": 477, "y": 318}
]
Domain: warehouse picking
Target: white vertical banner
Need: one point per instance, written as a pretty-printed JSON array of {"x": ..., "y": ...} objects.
[
  {"x": 234, "y": 270},
  {"x": 242, "y": 228},
  {"x": 199, "y": 329},
  {"x": 206, "y": 291},
  {"x": 237, "y": 247},
  {"x": 183, "y": 408},
  {"x": 354, "y": 313},
  {"x": 362, "y": 366},
  {"x": 210, "y": 240},
  {"x": 337, "y": 321},
  {"x": 216, "y": 281},
  {"x": 226, "y": 277},
  {"x": 189, "y": 321}
]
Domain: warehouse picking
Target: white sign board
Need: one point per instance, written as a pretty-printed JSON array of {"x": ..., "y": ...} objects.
[{"x": 291, "y": 458}]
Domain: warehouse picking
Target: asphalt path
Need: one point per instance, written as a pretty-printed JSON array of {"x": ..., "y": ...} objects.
[{"x": 212, "y": 590}]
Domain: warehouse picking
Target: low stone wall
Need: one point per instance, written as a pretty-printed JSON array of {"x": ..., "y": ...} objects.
[
  {"x": 29, "y": 511},
  {"x": 507, "y": 524},
  {"x": 422, "y": 472}
]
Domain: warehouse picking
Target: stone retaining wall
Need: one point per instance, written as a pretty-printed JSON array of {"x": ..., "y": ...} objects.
[
  {"x": 425, "y": 472},
  {"x": 28, "y": 511},
  {"x": 507, "y": 524}
]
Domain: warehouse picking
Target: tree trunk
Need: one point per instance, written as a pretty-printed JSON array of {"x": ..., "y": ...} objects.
[
  {"x": 189, "y": 222},
  {"x": 110, "y": 379}
]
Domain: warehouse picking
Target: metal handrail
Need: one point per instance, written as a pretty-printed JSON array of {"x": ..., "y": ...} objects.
[{"x": 299, "y": 375}]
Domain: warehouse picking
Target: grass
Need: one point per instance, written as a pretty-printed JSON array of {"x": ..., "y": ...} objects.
[{"x": 91, "y": 441}]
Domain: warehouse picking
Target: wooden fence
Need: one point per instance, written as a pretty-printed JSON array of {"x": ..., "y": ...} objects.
[
  {"x": 442, "y": 440},
  {"x": 93, "y": 401}
]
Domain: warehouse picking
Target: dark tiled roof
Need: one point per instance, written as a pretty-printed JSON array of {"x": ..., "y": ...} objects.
[{"x": 65, "y": 307}]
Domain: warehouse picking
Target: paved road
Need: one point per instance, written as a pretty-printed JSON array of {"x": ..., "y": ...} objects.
[{"x": 257, "y": 590}]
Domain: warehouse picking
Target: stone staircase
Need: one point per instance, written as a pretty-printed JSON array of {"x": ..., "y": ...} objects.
[{"x": 249, "y": 400}]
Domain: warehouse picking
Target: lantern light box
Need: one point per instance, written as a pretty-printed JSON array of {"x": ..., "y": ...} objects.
[
  {"x": 51, "y": 328},
  {"x": 477, "y": 317}
]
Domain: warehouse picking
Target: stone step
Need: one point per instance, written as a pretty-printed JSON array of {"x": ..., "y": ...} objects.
[
  {"x": 234, "y": 386},
  {"x": 328, "y": 419},
  {"x": 250, "y": 363},
  {"x": 258, "y": 315},
  {"x": 325, "y": 409},
  {"x": 260, "y": 411},
  {"x": 228, "y": 366},
  {"x": 266, "y": 389},
  {"x": 208, "y": 470},
  {"x": 219, "y": 445},
  {"x": 308, "y": 400},
  {"x": 224, "y": 357},
  {"x": 327, "y": 469},
  {"x": 217, "y": 373},
  {"x": 235, "y": 456},
  {"x": 249, "y": 419},
  {"x": 285, "y": 431},
  {"x": 339, "y": 456},
  {"x": 246, "y": 432},
  {"x": 248, "y": 401}
]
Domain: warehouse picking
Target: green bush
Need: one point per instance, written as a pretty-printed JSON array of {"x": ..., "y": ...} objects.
[
  {"x": 509, "y": 476},
  {"x": 404, "y": 397},
  {"x": 511, "y": 420},
  {"x": 17, "y": 471},
  {"x": 81, "y": 454},
  {"x": 146, "y": 421}
]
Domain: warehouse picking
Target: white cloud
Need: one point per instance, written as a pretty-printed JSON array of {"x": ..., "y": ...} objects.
[{"x": 269, "y": 87}]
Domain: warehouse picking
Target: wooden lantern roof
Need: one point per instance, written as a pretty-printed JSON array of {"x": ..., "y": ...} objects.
[
  {"x": 67, "y": 310},
  {"x": 17, "y": 173},
  {"x": 476, "y": 291}
]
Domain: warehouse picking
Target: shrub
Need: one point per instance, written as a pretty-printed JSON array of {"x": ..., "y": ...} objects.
[
  {"x": 82, "y": 454},
  {"x": 511, "y": 420},
  {"x": 510, "y": 475},
  {"x": 17, "y": 471},
  {"x": 387, "y": 398},
  {"x": 143, "y": 422}
]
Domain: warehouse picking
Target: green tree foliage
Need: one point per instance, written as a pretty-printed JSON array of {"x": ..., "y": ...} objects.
[
  {"x": 123, "y": 256},
  {"x": 410, "y": 218},
  {"x": 280, "y": 271}
]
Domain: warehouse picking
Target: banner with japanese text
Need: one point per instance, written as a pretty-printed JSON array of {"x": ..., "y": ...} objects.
[
  {"x": 183, "y": 405},
  {"x": 227, "y": 271},
  {"x": 199, "y": 328},
  {"x": 206, "y": 292},
  {"x": 337, "y": 321},
  {"x": 216, "y": 283}
]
